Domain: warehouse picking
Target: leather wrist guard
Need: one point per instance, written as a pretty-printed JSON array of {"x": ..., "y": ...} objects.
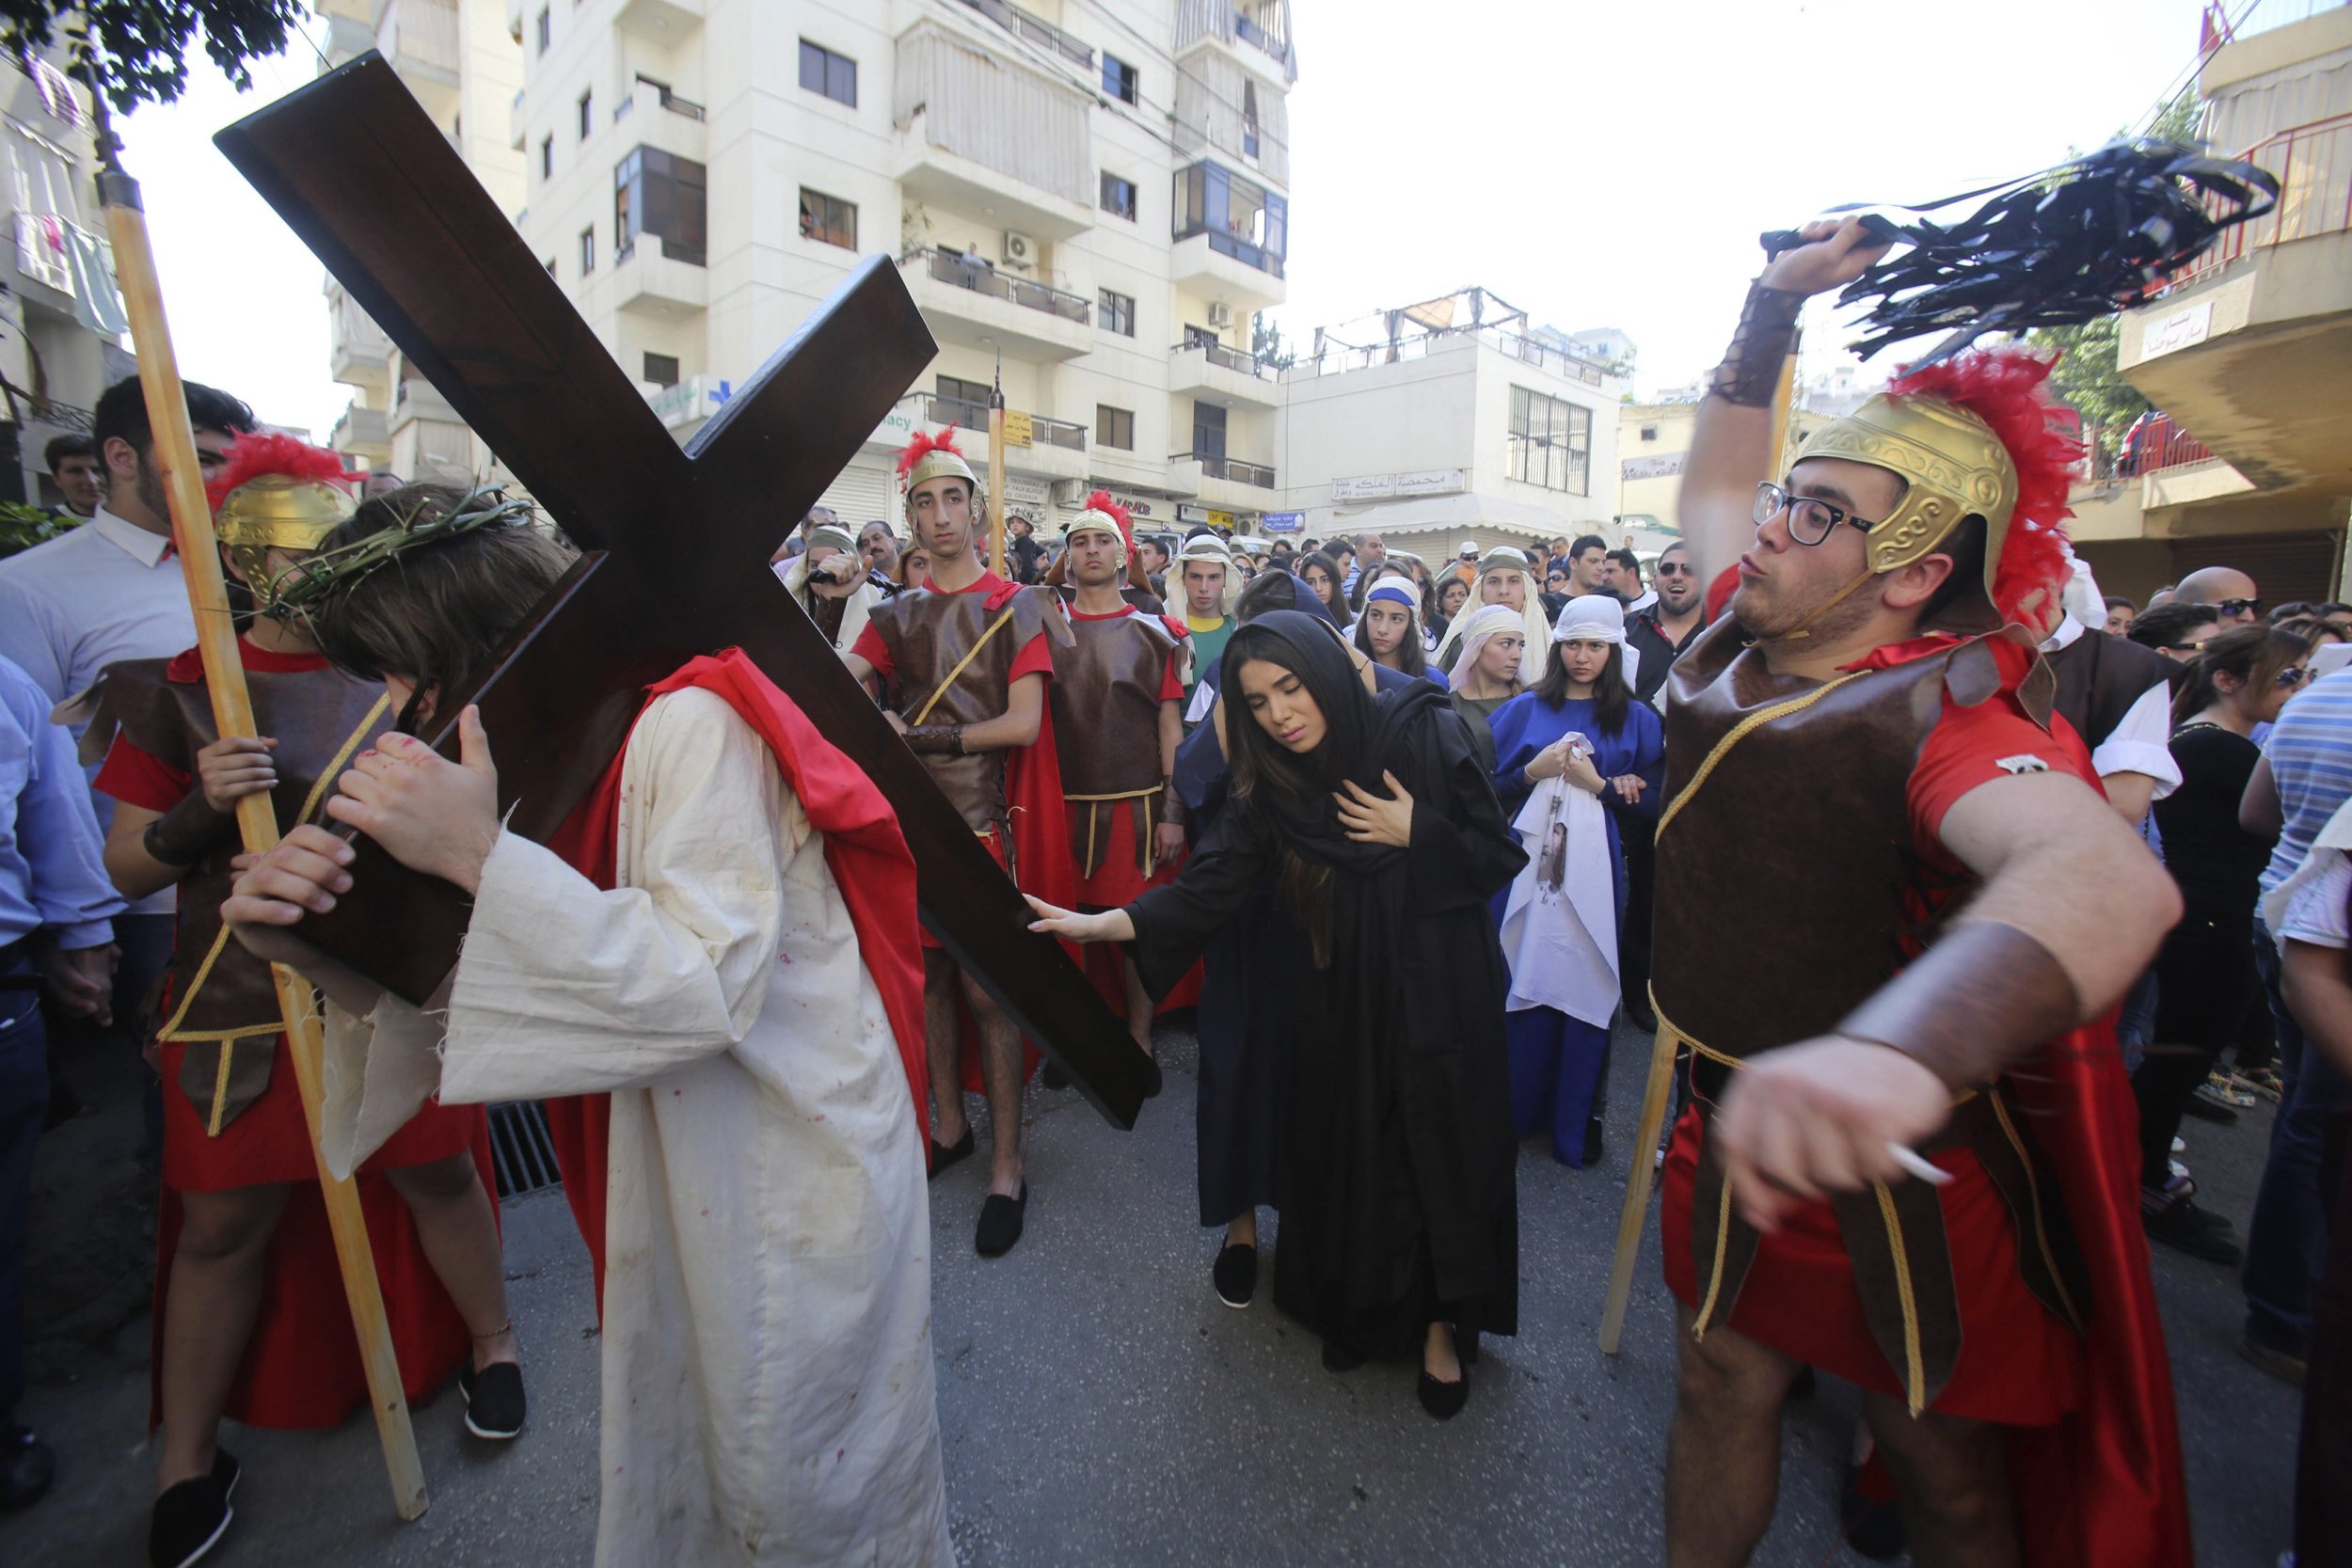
[
  {"x": 188, "y": 831},
  {"x": 936, "y": 740},
  {"x": 1966, "y": 1007},
  {"x": 1171, "y": 806},
  {"x": 1750, "y": 373}
]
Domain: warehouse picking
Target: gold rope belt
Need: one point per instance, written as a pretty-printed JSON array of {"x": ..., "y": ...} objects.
[{"x": 1143, "y": 834}]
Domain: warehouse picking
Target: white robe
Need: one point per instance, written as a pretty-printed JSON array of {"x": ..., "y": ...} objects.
[{"x": 767, "y": 1392}]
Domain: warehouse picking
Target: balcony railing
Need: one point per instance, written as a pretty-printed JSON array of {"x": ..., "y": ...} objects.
[
  {"x": 1230, "y": 358},
  {"x": 1058, "y": 433},
  {"x": 1339, "y": 359},
  {"x": 966, "y": 414},
  {"x": 949, "y": 266},
  {"x": 2157, "y": 446},
  {"x": 1229, "y": 468},
  {"x": 1021, "y": 24},
  {"x": 2314, "y": 164}
]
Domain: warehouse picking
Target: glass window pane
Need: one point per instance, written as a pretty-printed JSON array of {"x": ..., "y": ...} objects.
[
  {"x": 812, "y": 67},
  {"x": 841, "y": 80}
]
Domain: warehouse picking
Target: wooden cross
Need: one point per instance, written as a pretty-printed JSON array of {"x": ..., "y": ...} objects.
[{"x": 677, "y": 542}]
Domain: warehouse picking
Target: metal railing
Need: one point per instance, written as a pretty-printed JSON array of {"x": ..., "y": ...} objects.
[
  {"x": 949, "y": 266},
  {"x": 670, "y": 100},
  {"x": 1230, "y": 358},
  {"x": 1239, "y": 250},
  {"x": 1339, "y": 359},
  {"x": 1229, "y": 468},
  {"x": 1058, "y": 433},
  {"x": 2314, "y": 164},
  {"x": 2158, "y": 445},
  {"x": 970, "y": 413},
  {"x": 1023, "y": 25}
]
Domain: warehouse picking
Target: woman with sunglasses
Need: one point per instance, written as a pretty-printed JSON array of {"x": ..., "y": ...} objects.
[{"x": 2206, "y": 978}]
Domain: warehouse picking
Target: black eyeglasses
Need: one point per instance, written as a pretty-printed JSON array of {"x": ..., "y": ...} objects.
[
  {"x": 1672, "y": 569},
  {"x": 2239, "y": 607},
  {"x": 1810, "y": 519}
]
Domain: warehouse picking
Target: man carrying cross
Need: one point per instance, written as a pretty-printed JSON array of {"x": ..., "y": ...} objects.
[
  {"x": 744, "y": 1011},
  {"x": 971, "y": 655}
]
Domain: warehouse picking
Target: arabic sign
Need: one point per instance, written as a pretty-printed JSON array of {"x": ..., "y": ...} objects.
[{"x": 1423, "y": 481}]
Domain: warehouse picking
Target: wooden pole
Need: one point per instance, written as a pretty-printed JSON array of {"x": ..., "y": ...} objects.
[
  {"x": 1661, "y": 1077},
  {"x": 997, "y": 472},
  {"x": 257, "y": 820}
]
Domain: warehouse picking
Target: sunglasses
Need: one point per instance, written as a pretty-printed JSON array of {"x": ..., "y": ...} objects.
[
  {"x": 1673, "y": 569},
  {"x": 2293, "y": 677},
  {"x": 2239, "y": 607}
]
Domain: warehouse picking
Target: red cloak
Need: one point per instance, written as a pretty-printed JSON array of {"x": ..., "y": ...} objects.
[{"x": 863, "y": 850}]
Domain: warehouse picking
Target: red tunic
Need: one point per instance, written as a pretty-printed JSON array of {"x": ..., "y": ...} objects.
[{"x": 293, "y": 1375}]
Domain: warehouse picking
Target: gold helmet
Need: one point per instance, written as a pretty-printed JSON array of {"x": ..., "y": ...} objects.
[
  {"x": 276, "y": 493},
  {"x": 929, "y": 457}
]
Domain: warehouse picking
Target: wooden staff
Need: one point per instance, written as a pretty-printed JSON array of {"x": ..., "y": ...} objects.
[
  {"x": 1662, "y": 1074},
  {"x": 997, "y": 472},
  {"x": 257, "y": 818}
]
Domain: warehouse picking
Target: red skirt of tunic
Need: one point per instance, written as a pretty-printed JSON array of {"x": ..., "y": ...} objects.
[{"x": 302, "y": 1368}]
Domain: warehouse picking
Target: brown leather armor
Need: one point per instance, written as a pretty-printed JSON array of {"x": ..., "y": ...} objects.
[
  {"x": 1787, "y": 887},
  {"x": 933, "y": 636},
  {"x": 1107, "y": 724},
  {"x": 222, "y": 1001},
  {"x": 2099, "y": 677}
]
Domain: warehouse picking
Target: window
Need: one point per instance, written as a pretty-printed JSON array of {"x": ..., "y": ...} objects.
[
  {"x": 1649, "y": 432},
  {"x": 1208, "y": 429},
  {"x": 962, "y": 402},
  {"x": 1552, "y": 442},
  {"x": 1241, "y": 219},
  {"x": 1201, "y": 336},
  {"x": 1118, "y": 196},
  {"x": 546, "y": 157},
  {"x": 587, "y": 251},
  {"x": 1249, "y": 119},
  {"x": 1119, "y": 79},
  {"x": 665, "y": 196},
  {"x": 828, "y": 218},
  {"x": 1114, "y": 427},
  {"x": 547, "y": 29},
  {"x": 824, "y": 72},
  {"x": 1119, "y": 313},
  {"x": 587, "y": 112},
  {"x": 661, "y": 369}
]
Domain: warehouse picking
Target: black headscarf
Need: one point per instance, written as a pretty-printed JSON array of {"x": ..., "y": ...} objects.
[{"x": 1367, "y": 736}]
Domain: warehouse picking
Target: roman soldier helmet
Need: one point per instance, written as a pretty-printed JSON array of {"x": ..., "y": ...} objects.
[
  {"x": 276, "y": 493},
  {"x": 1102, "y": 512},
  {"x": 1972, "y": 435},
  {"x": 929, "y": 457}
]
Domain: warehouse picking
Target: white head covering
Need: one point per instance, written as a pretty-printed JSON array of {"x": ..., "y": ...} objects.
[
  {"x": 1477, "y": 626},
  {"x": 1209, "y": 547},
  {"x": 1504, "y": 559},
  {"x": 1597, "y": 618}
]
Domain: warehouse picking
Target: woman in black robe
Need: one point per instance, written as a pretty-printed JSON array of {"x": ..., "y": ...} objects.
[{"x": 1400, "y": 1226}]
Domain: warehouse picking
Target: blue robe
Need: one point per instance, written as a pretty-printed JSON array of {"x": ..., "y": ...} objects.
[{"x": 1560, "y": 1065}]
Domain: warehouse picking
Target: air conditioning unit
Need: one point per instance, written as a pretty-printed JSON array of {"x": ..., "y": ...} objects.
[
  {"x": 1020, "y": 250},
  {"x": 1220, "y": 316}
]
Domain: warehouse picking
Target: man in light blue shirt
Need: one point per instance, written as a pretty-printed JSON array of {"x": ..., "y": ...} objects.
[{"x": 56, "y": 908}]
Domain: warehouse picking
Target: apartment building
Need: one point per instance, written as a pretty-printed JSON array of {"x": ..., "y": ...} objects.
[
  {"x": 460, "y": 61},
  {"x": 2248, "y": 354},
  {"x": 61, "y": 313},
  {"x": 1449, "y": 420},
  {"x": 1092, "y": 194}
]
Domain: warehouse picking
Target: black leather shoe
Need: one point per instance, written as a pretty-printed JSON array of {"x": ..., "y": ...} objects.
[
  {"x": 943, "y": 1155},
  {"x": 190, "y": 1518},
  {"x": 1873, "y": 1528},
  {"x": 1443, "y": 1399},
  {"x": 494, "y": 1400},
  {"x": 1156, "y": 1081},
  {"x": 1000, "y": 1223},
  {"x": 1235, "y": 1274},
  {"x": 27, "y": 1466},
  {"x": 1339, "y": 1358}
]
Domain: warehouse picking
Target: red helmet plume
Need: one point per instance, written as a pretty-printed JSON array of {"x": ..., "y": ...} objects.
[
  {"x": 2006, "y": 387},
  {"x": 1100, "y": 501},
  {"x": 926, "y": 443},
  {"x": 261, "y": 451}
]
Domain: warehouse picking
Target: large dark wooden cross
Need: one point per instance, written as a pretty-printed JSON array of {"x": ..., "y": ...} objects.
[{"x": 677, "y": 542}]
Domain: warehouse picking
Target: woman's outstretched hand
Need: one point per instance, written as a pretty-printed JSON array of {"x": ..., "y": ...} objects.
[
  {"x": 1053, "y": 921},
  {"x": 1371, "y": 820}
]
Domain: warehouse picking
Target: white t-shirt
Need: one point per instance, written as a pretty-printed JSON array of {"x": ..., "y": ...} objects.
[{"x": 2316, "y": 911}]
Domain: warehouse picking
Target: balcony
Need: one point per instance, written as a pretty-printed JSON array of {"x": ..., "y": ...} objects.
[
  {"x": 981, "y": 135},
  {"x": 362, "y": 433},
  {"x": 1035, "y": 30},
  {"x": 1224, "y": 482},
  {"x": 1223, "y": 375},
  {"x": 1231, "y": 235},
  {"x": 978, "y": 307},
  {"x": 1256, "y": 32},
  {"x": 361, "y": 353},
  {"x": 1034, "y": 445},
  {"x": 665, "y": 22},
  {"x": 419, "y": 38},
  {"x": 659, "y": 117},
  {"x": 656, "y": 278}
]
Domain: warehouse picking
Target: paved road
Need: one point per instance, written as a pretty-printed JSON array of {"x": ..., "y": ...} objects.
[{"x": 1099, "y": 1406}]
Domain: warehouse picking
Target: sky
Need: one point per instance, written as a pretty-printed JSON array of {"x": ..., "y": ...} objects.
[{"x": 1595, "y": 165}]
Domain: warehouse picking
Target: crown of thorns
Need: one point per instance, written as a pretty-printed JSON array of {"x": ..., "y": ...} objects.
[{"x": 323, "y": 575}]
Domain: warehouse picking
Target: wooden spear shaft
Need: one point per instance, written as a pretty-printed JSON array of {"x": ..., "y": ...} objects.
[
  {"x": 257, "y": 819},
  {"x": 997, "y": 472}
]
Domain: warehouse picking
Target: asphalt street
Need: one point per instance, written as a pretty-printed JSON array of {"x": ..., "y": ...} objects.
[{"x": 1099, "y": 1405}]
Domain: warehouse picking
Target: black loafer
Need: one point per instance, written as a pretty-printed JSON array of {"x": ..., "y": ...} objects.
[
  {"x": 27, "y": 1466},
  {"x": 1443, "y": 1399},
  {"x": 190, "y": 1518},
  {"x": 494, "y": 1400},
  {"x": 943, "y": 1155},
  {"x": 1000, "y": 1223},
  {"x": 1235, "y": 1274}
]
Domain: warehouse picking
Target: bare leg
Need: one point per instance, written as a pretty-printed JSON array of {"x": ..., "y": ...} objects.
[
  {"x": 938, "y": 1037},
  {"x": 1243, "y": 1231},
  {"x": 460, "y": 1237},
  {"x": 1140, "y": 1008},
  {"x": 1000, "y": 1068},
  {"x": 1723, "y": 1452},
  {"x": 216, "y": 1280},
  {"x": 1955, "y": 1486},
  {"x": 1437, "y": 1358}
]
